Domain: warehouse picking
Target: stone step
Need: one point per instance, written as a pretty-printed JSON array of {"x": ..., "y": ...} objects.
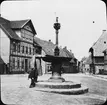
[
  {"x": 58, "y": 85},
  {"x": 73, "y": 91}
]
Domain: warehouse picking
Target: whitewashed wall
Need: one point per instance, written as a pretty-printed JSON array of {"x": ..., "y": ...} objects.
[
  {"x": 4, "y": 46},
  {"x": 43, "y": 63}
]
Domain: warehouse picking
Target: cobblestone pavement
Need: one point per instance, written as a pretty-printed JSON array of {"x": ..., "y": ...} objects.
[
  {"x": 96, "y": 75},
  {"x": 15, "y": 90}
]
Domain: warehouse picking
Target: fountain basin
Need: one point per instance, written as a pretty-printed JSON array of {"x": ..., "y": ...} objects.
[
  {"x": 68, "y": 87},
  {"x": 56, "y": 83}
]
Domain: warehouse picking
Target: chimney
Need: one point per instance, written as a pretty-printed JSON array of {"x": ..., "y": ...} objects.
[
  {"x": 49, "y": 40},
  {"x": 65, "y": 47},
  {"x": 104, "y": 30},
  {"x": 71, "y": 51}
]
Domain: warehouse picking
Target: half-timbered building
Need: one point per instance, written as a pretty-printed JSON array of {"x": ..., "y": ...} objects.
[
  {"x": 17, "y": 45},
  {"x": 97, "y": 55}
]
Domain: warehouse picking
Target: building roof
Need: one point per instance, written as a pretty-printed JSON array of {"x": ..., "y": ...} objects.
[
  {"x": 4, "y": 21},
  {"x": 105, "y": 51},
  {"x": 9, "y": 32},
  {"x": 18, "y": 23},
  {"x": 68, "y": 53},
  {"x": 8, "y": 26},
  {"x": 5, "y": 26},
  {"x": 49, "y": 47},
  {"x": 1, "y": 60},
  {"x": 87, "y": 60},
  {"x": 100, "y": 45}
]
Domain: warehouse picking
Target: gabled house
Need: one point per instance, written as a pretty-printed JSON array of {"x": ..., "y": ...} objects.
[
  {"x": 17, "y": 48},
  {"x": 97, "y": 55}
]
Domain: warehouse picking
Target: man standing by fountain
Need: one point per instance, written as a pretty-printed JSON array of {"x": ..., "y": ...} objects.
[{"x": 35, "y": 65}]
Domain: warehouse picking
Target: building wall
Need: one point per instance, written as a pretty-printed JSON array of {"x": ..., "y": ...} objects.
[
  {"x": 105, "y": 62},
  {"x": 68, "y": 67},
  {"x": 97, "y": 53},
  {"x": 43, "y": 63},
  {"x": 46, "y": 66},
  {"x": 18, "y": 33},
  {"x": 21, "y": 52},
  {"x": 99, "y": 64},
  {"x": 4, "y": 46},
  {"x": 20, "y": 60}
]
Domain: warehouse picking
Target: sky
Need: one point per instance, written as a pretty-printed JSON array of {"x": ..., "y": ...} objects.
[{"x": 82, "y": 21}]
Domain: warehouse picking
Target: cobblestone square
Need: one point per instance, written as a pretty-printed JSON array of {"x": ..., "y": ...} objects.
[{"x": 15, "y": 90}]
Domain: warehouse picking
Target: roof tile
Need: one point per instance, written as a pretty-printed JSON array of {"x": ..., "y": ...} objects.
[{"x": 49, "y": 47}]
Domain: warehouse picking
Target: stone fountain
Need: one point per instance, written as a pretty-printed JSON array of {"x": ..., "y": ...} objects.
[{"x": 56, "y": 83}]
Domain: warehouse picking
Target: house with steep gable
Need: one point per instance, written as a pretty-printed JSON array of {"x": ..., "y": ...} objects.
[
  {"x": 97, "y": 55},
  {"x": 17, "y": 48}
]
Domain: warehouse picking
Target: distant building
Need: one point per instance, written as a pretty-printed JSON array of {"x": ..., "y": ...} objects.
[
  {"x": 97, "y": 55},
  {"x": 17, "y": 48},
  {"x": 85, "y": 64},
  {"x": 72, "y": 66}
]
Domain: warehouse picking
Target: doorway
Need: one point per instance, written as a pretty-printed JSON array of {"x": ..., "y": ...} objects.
[{"x": 26, "y": 65}]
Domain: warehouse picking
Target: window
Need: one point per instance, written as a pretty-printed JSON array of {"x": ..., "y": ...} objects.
[
  {"x": 18, "y": 48},
  {"x": 29, "y": 50},
  {"x": 14, "y": 47},
  {"x": 33, "y": 51},
  {"x": 26, "y": 50},
  {"x": 22, "y": 64},
  {"x": 22, "y": 49},
  {"x": 13, "y": 61},
  {"x": 18, "y": 63},
  {"x": 38, "y": 50}
]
